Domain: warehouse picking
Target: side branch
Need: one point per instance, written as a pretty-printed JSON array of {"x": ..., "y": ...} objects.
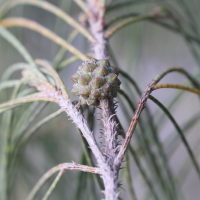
[
  {"x": 82, "y": 124},
  {"x": 141, "y": 105}
]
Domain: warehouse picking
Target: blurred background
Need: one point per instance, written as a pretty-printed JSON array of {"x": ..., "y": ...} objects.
[{"x": 143, "y": 50}]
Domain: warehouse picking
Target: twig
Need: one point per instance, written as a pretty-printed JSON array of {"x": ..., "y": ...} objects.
[
  {"x": 115, "y": 19},
  {"x": 119, "y": 5},
  {"x": 7, "y": 84},
  {"x": 55, "y": 75},
  {"x": 129, "y": 179},
  {"x": 184, "y": 140},
  {"x": 70, "y": 60},
  {"x": 67, "y": 62},
  {"x": 141, "y": 106},
  {"x": 143, "y": 172},
  {"x": 59, "y": 56},
  {"x": 175, "y": 86},
  {"x": 124, "y": 23},
  {"x": 51, "y": 8},
  {"x": 53, "y": 185},
  {"x": 30, "y": 98},
  {"x": 86, "y": 9},
  {"x": 22, "y": 22},
  {"x": 148, "y": 149},
  {"x": 64, "y": 166},
  {"x": 20, "y": 48},
  {"x": 87, "y": 156}
]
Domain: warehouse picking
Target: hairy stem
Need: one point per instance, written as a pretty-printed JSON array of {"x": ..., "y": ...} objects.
[
  {"x": 109, "y": 172},
  {"x": 110, "y": 128}
]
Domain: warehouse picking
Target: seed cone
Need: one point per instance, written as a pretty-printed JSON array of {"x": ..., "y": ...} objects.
[{"x": 95, "y": 80}]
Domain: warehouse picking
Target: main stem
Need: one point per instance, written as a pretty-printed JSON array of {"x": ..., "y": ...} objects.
[
  {"x": 110, "y": 175},
  {"x": 109, "y": 171}
]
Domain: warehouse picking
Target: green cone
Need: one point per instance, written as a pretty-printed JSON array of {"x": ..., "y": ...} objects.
[{"x": 95, "y": 80}]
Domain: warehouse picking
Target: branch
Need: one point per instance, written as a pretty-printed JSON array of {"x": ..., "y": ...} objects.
[
  {"x": 86, "y": 9},
  {"x": 116, "y": 19},
  {"x": 8, "y": 84},
  {"x": 30, "y": 98},
  {"x": 51, "y": 8},
  {"x": 67, "y": 62},
  {"x": 64, "y": 166},
  {"x": 143, "y": 172},
  {"x": 124, "y": 23},
  {"x": 9, "y": 37},
  {"x": 26, "y": 23},
  {"x": 53, "y": 185},
  {"x": 119, "y": 5},
  {"x": 70, "y": 60},
  {"x": 184, "y": 140},
  {"x": 55, "y": 75},
  {"x": 13, "y": 68},
  {"x": 129, "y": 179},
  {"x": 140, "y": 168},
  {"x": 141, "y": 105},
  {"x": 110, "y": 127},
  {"x": 59, "y": 56},
  {"x": 176, "y": 86}
]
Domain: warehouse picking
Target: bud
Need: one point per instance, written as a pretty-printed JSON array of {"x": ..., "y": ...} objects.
[
  {"x": 84, "y": 92},
  {"x": 93, "y": 60},
  {"x": 92, "y": 66},
  {"x": 113, "y": 94},
  {"x": 118, "y": 82},
  {"x": 95, "y": 92},
  {"x": 92, "y": 102},
  {"x": 86, "y": 68},
  {"x": 75, "y": 90},
  {"x": 75, "y": 77},
  {"x": 111, "y": 78},
  {"x": 103, "y": 95},
  {"x": 101, "y": 71},
  {"x": 82, "y": 100},
  {"x": 104, "y": 62},
  {"x": 115, "y": 87},
  {"x": 114, "y": 70},
  {"x": 26, "y": 73},
  {"x": 106, "y": 87},
  {"x": 80, "y": 67},
  {"x": 87, "y": 78},
  {"x": 82, "y": 82},
  {"x": 97, "y": 82}
]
